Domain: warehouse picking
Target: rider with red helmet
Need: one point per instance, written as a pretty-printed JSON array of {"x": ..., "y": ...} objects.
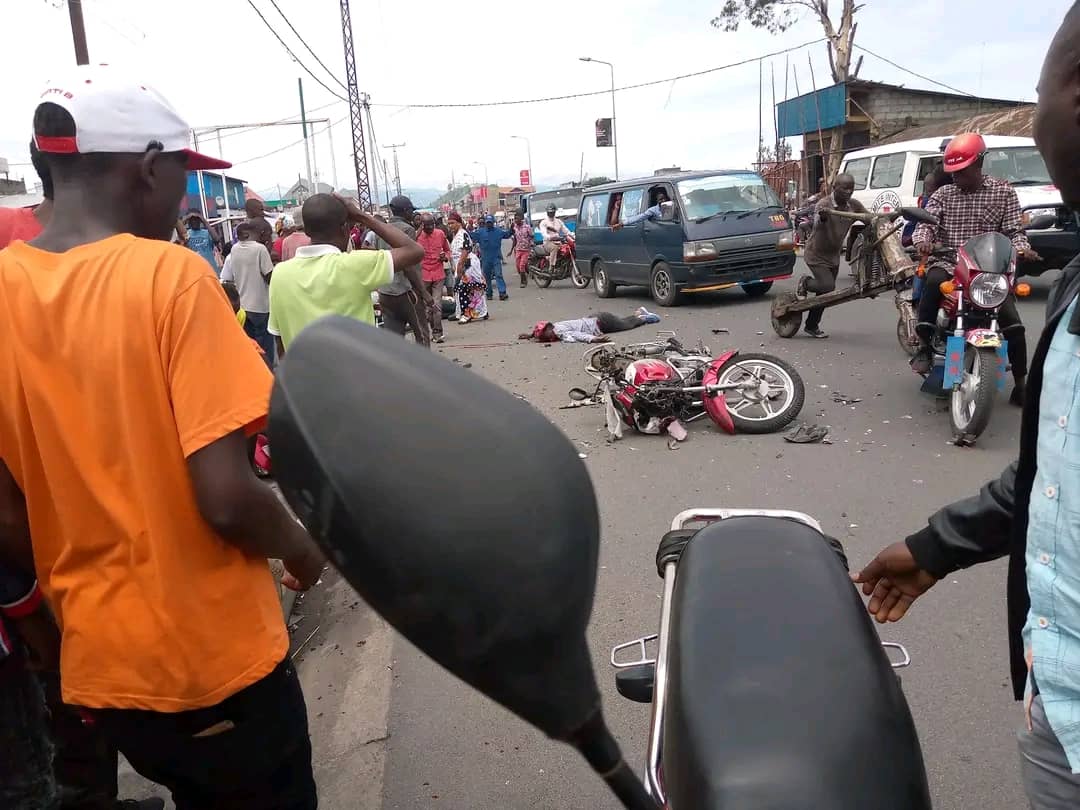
[{"x": 973, "y": 204}]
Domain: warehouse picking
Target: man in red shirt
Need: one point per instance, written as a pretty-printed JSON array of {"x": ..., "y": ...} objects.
[
  {"x": 436, "y": 251},
  {"x": 26, "y": 223}
]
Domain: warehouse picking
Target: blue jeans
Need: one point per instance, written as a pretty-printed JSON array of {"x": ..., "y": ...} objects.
[
  {"x": 256, "y": 327},
  {"x": 493, "y": 272}
]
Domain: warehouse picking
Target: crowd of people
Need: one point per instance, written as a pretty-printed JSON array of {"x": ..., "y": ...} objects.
[{"x": 138, "y": 614}]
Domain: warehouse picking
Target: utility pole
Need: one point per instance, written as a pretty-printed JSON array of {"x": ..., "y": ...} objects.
[
  {"x": 386, "y": 177},
  {"x": 78, "y": 32},
  {"x": 365, "y": 102},
  {"x": 363, "y": 186},
  {"x": 303, "y": 126},
  {"x": 397, "y": 169}
]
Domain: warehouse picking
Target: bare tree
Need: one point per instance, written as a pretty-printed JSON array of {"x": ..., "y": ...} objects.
[{"x": 779, "y": 15}]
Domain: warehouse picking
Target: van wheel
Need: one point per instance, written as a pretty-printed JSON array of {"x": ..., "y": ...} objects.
[
  {"x": 757, "y": 290},
  {"x": 601, "y": 283},
  {"x": 662, "y": 286}
]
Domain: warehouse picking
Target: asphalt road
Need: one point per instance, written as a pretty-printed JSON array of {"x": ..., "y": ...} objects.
[{"x": 890, "y": 465}]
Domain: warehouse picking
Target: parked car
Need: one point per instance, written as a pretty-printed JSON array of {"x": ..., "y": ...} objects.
[
  {"x": 891, "y": 176},
  {"x": 722, "y": 229}
]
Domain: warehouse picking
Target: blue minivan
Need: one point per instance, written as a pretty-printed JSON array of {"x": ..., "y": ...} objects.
[{"x": 717, "y": 229}]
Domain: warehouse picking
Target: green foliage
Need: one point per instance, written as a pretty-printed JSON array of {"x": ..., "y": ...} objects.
[{"x": 772, "y": 15}]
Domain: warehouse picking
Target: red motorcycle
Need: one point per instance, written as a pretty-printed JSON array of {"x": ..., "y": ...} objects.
[
  {"x": 660, "y": 385},
  {"x": 565, "y": 265}
]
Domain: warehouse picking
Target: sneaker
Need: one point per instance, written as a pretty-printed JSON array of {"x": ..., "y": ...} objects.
[
  {"x": 648, "y": 317},
  {"x": 490, "y": 297},
  {"x": 524, "y": 282},
  {"x": 504, "y": 297},
  {"x": 815, "y": 332},
  {"x": 800, "y": 290},
  {"x": 922, "y": 362},
  {"x": 463, "y": 319}
]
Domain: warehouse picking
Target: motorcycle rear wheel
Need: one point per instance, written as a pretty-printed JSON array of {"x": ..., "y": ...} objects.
[
  {"x": 753, "y": 413},
  {"x": 972, "y": 401}
]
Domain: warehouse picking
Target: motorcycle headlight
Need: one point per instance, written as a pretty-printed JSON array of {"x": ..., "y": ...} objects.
[{"x": 989, "y": 290}]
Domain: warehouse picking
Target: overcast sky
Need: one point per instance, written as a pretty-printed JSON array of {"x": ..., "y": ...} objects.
[{"x": 219, "y": 64}]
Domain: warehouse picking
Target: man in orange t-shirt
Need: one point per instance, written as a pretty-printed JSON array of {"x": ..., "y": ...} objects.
[{"x": 124, "y": 478}]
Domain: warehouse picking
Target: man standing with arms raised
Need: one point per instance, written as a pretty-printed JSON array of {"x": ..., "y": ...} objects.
[
  {"x": 405, "y": 300},
  {"x": 149, "y": 535},
  {"x": 1030, "y": 513}
]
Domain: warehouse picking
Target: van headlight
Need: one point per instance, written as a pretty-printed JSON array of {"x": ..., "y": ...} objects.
[
  {"x": 989, "y": 290},
  {"x": 785, "y": 241},
  {"x": 698, "y": 251},
  {"x": 1028, "y": 216}
]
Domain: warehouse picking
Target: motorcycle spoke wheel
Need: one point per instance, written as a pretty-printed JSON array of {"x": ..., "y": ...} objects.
[
  {"x": 768, "y": 396},
  {"x": 972, "y": 401}
]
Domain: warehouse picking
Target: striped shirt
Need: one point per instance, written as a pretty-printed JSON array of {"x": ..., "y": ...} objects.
[{"x": 991, "y": 208}]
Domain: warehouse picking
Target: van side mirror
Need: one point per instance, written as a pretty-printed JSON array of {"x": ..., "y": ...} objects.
[{"x": 1042, "y": 222}]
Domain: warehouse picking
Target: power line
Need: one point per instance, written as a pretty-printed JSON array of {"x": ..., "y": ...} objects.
[
  {"x": 638, "y": 86},
  {"x": 304, "y": 43},
  {"x": 913, "y": 73},
  {"x": 293, "y": 55},
  {"x": 288, "y": 145},
  {"x": 288, "y": 119}
]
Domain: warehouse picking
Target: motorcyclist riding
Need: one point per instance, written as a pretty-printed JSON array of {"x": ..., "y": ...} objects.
[
  {"x": 551, "y": 229},
  {"x": 972, "y": 205}
]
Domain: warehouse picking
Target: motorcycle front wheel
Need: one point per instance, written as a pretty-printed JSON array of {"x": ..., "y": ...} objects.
[
  {"x": 770, "y": 393},
  {"x": 579, "y": 281},
  {"x": 972, "y": 401}
]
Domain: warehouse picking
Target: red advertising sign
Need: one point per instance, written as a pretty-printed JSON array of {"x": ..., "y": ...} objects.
[{"x": 524, "y": 179}]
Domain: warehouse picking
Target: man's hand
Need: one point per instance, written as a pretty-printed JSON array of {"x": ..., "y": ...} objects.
[
  {"x": 893, "y": 580},
  {"x": 355, "y": 212},
  {"x": 617, "y": 226},
  {"x": 823, "y": 215},
  {"x": 304, "y": 571},
  {"x": 1029, "y": 255},
  {"x": 925, "y": 249}
]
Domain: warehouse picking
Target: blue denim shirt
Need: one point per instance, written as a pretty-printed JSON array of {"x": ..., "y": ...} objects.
[{"x": 1052, "y": 631}]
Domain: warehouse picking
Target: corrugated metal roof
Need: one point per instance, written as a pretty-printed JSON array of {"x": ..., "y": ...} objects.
[{"x": 1016, "y": 122}]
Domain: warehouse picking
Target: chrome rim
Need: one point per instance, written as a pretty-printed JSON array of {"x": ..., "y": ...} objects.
[
  {"x": 964, "y": 396},
  {"x": 601, "y": 279},
  {"x": 764, "y": 389},
  {"x": 662, "y": 284}
]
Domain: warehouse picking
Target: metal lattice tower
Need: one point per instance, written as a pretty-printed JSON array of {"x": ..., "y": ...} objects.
[{"x": 363, "y": 186}]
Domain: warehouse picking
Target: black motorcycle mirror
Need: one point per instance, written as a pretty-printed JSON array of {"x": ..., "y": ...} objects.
[
  {"x": 918, "y": 215},
  {"x": 502, "y": 602}
]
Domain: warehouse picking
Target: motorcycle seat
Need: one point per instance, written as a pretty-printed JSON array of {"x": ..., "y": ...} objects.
[
  {"x": 539, "y": 251},
  {"x": 779, "y": 693}
]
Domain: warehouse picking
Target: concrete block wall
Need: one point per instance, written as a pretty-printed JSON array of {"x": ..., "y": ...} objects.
[{"x": 895, "y": 109}]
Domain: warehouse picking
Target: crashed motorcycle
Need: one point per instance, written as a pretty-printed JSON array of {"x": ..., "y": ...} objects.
[
  {"x": 565, "y": 265},
  {"x": 770, "y": 689},
  {"x": 659, "y": 386}
]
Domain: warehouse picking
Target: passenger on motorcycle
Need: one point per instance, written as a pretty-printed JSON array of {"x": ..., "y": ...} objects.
[
  {"x": 552, "y": 229},
  {"x": 973, "y": 204}
]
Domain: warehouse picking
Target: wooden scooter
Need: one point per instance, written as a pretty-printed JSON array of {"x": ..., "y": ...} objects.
[{"x": 880, "y": 263}]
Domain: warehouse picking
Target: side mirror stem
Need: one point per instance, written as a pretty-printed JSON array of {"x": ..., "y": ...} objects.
[{"x": 601, "y": 751}]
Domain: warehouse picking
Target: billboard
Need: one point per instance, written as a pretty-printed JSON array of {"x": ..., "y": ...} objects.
[{"x": 603, "y": 132}]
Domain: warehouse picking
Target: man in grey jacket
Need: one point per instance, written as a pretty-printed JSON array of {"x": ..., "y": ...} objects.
[{"x": 1032, "y": 512}]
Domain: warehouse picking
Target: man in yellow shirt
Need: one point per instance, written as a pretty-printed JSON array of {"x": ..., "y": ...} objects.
[
  {"x": 149, "y": 532},
  {"x": 322, "y": 279}
]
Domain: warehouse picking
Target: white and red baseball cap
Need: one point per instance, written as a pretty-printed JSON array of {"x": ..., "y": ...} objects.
[{"x": 115, "y": 113}]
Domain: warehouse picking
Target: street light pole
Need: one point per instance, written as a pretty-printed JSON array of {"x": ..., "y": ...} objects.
[
  {"x": 614, "y": 136},
  {"x": 528, "y": 152}
]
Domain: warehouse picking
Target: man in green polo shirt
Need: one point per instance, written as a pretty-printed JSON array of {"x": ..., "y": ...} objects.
[{"x": 322, "y": 279}]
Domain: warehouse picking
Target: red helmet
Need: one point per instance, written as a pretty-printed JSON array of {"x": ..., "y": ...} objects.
[{"x": 963, "y": 150}]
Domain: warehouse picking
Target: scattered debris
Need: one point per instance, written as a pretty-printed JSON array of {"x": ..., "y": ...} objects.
[
  {"x": 467, "y": 365},
  {"x": 806, "y": 433},
  {"x": 722, "y": 331},
  {"x": 582, "y": 455},
  {"x": 673, "y": 444},
  {"x": 844, "y": 399}
]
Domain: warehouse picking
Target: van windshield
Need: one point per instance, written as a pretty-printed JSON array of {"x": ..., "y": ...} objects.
[
  {"x": 1017, "y": 165},
  {"x": 705, "y": 197},
  {"x": 565, "y": 202}
]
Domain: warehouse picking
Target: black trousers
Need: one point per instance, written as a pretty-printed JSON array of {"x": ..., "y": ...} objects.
[
  {"x": 249, "y": 752},
  {"x": 1008, "y": 319},
  {"x": 824, "y": 281},
  {"x": 609, "y": 323},
  {"x": 404, "y": 310}
]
